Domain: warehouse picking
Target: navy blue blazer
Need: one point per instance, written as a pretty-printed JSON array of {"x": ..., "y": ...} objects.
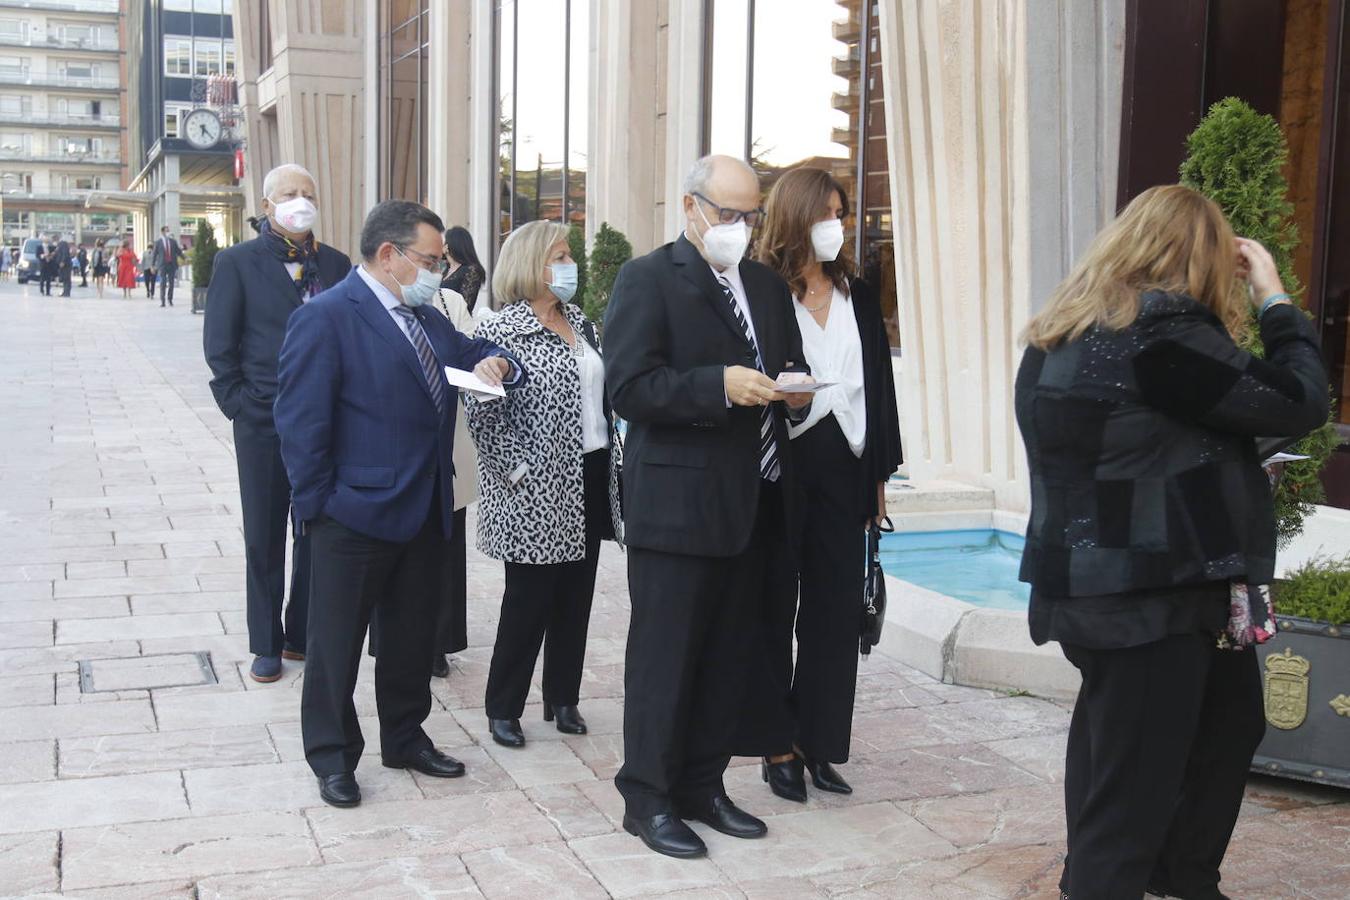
[{"x": 360, "y": 435}]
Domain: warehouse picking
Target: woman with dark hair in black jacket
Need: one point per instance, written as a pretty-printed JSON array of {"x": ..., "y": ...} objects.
[
  {"x": 465, "y": 274},
  {"x": 844, "y": 452},
  {"x": 1150, "y": 515}
]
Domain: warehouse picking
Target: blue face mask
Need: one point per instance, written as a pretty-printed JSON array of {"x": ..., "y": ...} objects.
[
  {"x": 423, "y": 288},
  {"x": 564, "y": 285}
]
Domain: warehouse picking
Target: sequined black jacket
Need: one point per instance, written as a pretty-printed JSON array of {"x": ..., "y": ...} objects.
[{"x": 1142, "y": 448}]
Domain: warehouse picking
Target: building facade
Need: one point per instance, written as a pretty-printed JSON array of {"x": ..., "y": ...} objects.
[
  {"x": 61, "y": 127},
  {"x": 984, "y": 143}
]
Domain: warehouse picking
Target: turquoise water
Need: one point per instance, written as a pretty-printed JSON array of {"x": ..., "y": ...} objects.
[{"x": 979, "y": 567}]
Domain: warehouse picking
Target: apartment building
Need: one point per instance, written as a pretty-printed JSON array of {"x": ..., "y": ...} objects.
[{"x": 61, "y": 119}]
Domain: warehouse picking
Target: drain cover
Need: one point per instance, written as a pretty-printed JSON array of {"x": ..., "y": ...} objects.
[{"x": 130, "y": 673}]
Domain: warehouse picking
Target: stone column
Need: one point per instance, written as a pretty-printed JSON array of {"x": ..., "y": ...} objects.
[{"x": 1003, "y": 117}]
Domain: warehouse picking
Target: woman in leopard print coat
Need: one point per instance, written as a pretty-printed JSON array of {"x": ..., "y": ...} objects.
[{"x": 548, "y": 463}]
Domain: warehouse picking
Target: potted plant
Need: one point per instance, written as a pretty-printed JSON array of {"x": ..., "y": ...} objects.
[
  {"x": 609, "y": 252},
  {"x": 1306, "y": 673},
  {"x": 204, "y": 250}
]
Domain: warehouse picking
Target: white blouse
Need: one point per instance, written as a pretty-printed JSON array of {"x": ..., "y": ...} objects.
[
  {"x": 594, "y": 431},
  {"x": 834, "y": 353}
]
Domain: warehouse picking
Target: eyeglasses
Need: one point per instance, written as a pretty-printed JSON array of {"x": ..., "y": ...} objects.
[
  {"x": 431, "y": 263},
  {"x": 728, "y": 216}
]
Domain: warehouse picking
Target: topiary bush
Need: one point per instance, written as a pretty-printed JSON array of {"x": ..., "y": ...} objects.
[
  {"x": 609, "y": 252},
  {"x": 204, "y": 250},
  {"x": 1319, "y": 590},
  {"x": 1236, "y": 157},
  {"x": 576, "y": 245}
]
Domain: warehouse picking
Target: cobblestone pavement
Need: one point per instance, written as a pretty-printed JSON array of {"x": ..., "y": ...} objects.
[{"x": 120, "y": 547}]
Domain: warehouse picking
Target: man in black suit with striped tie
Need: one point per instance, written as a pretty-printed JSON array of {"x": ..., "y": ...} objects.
[{"x": 695, "y": 336}]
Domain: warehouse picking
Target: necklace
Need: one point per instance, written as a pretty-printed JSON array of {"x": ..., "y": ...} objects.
[{"x": 819, "y": 306}]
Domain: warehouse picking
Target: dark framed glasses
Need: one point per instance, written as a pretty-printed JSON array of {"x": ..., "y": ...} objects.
[
  {"x": 728, "y": 216},
  {"x": 430, "y": 263}
]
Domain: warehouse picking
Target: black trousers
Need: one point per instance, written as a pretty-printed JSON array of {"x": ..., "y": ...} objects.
[
  {"x": 550, "y": 605},
  {"x": 45, "y": 276},
  {"x": 167, "y": 277},
  {"x": 265, "y": 498},
  {"x": 353, "y": 575},
  {"x": 697, "y": 683},
  {"x": 65, "y": 277},
  {"x": 149, "y": 277},
  {"x": 1160, "y": 744},
  {"x": 452, "y": 627},
  {"x": 827, "y": 607}
]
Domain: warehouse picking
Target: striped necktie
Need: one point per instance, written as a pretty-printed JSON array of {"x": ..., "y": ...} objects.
[
  {"x": 768, "y": 447},
  {"x": 425, "y": 355}
]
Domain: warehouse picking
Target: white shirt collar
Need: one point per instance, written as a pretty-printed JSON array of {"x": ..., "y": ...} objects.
[
  {"x": 382, "y": 293},
  {"x": 732, "y": 274}
]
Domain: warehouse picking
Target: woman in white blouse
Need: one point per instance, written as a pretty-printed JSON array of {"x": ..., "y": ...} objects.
[
  {"x": 843, "y": 452},
  {"x": 547, "y": 466}
]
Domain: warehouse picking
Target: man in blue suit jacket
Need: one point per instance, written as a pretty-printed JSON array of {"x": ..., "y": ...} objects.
[{"x": 367, "y": 420}]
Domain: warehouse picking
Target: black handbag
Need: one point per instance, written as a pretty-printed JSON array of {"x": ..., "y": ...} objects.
[{"x": 874, "y": 590}]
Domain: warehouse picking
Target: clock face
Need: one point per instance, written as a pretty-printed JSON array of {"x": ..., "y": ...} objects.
[{"x": 201, "y": 127}]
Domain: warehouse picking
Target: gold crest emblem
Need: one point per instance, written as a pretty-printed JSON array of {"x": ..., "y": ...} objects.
[
  {"x": 1341, "y": 703},
  {"x": 1286, "y": 689}
]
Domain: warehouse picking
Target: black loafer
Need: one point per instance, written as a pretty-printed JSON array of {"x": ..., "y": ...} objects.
[
  {"x": 507, "y": 732},
  {"x": 720, "y": 814},
  {"x": 666, "y": 835},
  {"x": 825, "y": 778},
  {"x": 785, "y": 779},
  {"x": 569, "y": 718},
  {"x": 429, "y": 761},
  {"x": 440, "y": 666},
  {"x": 340, "y": 790}
]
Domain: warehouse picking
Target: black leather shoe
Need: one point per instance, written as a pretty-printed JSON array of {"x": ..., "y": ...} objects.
[
  {"x": 428, "y": 761},
  {"x": 569, "y": 718},
  {"x": 666, "y": 835},
  {"x": 507, "y": 732},
  {"x": 786, "y": 779},
  {"x": 824, "y": 777},
  {"x": 340, "y": 790},
  {"x": 720, "y": 814},
  {"x": 440, "y": 666}
]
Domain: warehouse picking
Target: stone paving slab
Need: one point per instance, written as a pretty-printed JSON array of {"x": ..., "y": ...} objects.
[{"x": 119, "y": 539}]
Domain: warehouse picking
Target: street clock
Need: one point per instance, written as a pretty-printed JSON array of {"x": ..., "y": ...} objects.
[{"x": 202, "y": 128}]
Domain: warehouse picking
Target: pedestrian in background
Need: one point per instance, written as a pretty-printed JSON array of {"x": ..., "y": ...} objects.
[
  {"x": 47, "y": 265},
  {"x": 255, "y": 287},
  {"x": 65, "y": 264},
  {"x": 465, "y": 273},
  {"x": 148, "y": 270},
  {"x": 83, "y": 258},
  {"x": 1140, "y": 409},
  {"x": 546, "y": 454},
  {"x": 99, "y": 261},
  {"x": 845, "y": 451},
  {"x": 166, "y": 257},
  {"x": 126, "y": 268}
]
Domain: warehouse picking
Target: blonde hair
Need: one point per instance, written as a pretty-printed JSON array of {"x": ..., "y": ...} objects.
[
  {"x": 1170, "y": 238},
  {"x": 519, "y": 274}
]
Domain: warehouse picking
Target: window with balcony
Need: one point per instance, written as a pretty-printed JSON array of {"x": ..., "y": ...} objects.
[
  {"x": 173, "y": 116},
  {"x": 16, "y": 105},
  {"x": 178, "y": 56},
  {"x": 17, "y": 182},
  {"x": 79, "y": 182},
  {"x": 14, "y": 67},
  {"x": 73, "y": 145},
  {"x": 16, "y": 143},
  {"x": 208, "y": 56},
  {"x": 14, "y": 30},
  {"x": 79, "y": 70}
]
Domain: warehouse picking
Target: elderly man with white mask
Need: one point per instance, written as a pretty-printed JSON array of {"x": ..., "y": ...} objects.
[{"x": 255, "y": 286}]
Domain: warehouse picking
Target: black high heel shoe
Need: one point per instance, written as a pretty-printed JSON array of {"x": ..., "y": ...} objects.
[
  {"x": 507, "y": 732},
  {"x": 824, "y": 777},
  {"x": 569, "y": 718},
  {"x": 785, "y": 778}
]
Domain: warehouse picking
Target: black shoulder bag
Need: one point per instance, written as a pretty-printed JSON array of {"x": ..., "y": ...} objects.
[{"x": 874, "y": 589}]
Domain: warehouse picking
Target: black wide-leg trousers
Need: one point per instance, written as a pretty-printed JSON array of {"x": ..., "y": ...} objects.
[
  {"x": 827, "y": 606},
  {"x": 698, "y": 686},
  {"x": 353, "y": 575},
  {"x": 549, "y": 604},
  {"x": 1160, "y": 744},
  {"x": 265, "y": 498}
]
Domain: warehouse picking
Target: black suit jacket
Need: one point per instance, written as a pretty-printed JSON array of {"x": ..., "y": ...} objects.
[
  {"x": 62, "y": 257},
  {"x": 249, "y": 300},
  {"x": 691, "y": 464}
]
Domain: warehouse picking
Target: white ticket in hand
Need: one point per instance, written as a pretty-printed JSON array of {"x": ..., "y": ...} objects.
[
  {"x": 798, "y": 387},
  {"x": 468, "y": 381}
]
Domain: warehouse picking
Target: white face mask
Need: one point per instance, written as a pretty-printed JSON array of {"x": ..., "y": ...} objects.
[
  {"x": 827, "y": 238},
  {"x": 423, "y": 288},
  {"x": 724, "y": 245},
  {"x": 296, "y": 215}
]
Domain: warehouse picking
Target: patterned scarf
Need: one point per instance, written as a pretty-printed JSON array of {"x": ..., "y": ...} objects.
[{"x": 305, "y": 253}]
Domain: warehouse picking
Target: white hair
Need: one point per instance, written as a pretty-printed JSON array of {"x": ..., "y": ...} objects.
[
  {"x": 696, "y": 181},
  {"x": 270, "y": 182}
]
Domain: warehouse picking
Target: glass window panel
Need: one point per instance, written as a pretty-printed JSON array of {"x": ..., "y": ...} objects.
[
  {"x": 229, "y": 58},
  {"x": 208, "y": 56},
  {"x": 178, "y": 5},
  {"x": 506, "y": 56},
  {"x": 177, "y": 56},
  {"x": 14, "y": 29},
  {"x": 539, "y": 111},
  {"x": 171, "y": 122},
  {"x": 578, "y": 114},
  {"x": 403, "y": 110},
  {"x": 15, "y": 105},
  {"x": 727, "y": 77}
]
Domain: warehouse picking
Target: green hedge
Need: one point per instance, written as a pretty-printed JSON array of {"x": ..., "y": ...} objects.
[{"x": 1319, "y": 589}]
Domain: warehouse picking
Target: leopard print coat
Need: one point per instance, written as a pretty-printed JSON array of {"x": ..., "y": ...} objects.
[{"x": 539, "y": 519}]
